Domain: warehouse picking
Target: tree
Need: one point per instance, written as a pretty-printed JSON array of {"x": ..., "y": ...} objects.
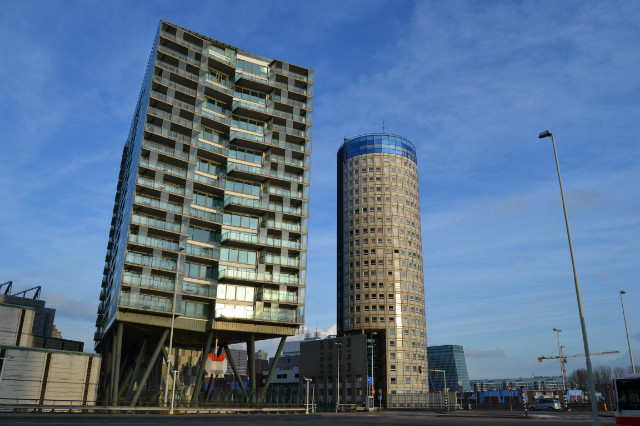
[{"x": 578, "y": 380}]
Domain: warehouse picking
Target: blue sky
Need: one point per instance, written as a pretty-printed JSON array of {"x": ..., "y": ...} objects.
[{"x": 470, "y": 83}]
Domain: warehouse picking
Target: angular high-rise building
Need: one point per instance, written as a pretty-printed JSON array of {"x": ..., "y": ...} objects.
[
  {"x": 208, "y": 240},
  {"x": 451, "y": 360},
  {"x": 380, "y": 284}
]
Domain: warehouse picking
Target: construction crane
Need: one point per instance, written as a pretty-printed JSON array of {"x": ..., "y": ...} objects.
[{"x": 563, "y": 360}]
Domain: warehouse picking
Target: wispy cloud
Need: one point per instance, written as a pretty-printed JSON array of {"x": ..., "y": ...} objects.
[{"x": 487, "y": 353}]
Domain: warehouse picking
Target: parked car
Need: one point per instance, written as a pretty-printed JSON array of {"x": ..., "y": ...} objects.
[{"x": 548, "y": 404}]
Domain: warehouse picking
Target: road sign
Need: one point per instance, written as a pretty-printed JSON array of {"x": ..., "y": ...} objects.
[
  {"x": 373, "y": 391},
  {"x": 509, "y": 388},
  {"x": 369, "y": 380},
  {"x": 608, "y": 386}
]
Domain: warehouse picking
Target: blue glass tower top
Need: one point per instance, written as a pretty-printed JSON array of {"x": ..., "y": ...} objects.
[{"x": 379, "y": 143}]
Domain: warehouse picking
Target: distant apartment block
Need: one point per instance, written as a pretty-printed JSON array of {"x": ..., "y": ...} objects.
[{"x": 208, "y": 238}]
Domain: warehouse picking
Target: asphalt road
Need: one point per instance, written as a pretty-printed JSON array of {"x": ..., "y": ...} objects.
[{"x": 356, "y": 419}]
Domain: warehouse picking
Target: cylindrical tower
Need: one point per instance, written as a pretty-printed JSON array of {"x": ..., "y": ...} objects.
[{"x": 379, "y": 266}]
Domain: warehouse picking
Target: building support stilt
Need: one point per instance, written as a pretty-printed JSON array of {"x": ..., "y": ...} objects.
[
  {"x": 116, "y": 369},
  {"x": 272, "y": 369},
  {"x": 234, "y": 368},
  {"x": 152, "y": 362},
  {"x": 203, "y": 360},
  {"x": 134, "y": 376},
  {"x": 251, "y": 353}
]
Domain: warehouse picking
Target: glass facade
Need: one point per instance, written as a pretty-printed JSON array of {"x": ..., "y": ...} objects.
[{"x": 451, "y": 359}]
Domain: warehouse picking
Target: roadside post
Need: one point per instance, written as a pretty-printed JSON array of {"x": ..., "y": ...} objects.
[
  {"x": 523, "y": 393},
  {"x": 510, "y": 388}
]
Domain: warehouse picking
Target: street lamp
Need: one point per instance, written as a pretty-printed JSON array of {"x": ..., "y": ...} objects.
[
  {"x": 633, "y": 367},
  {"x": 173, "y": 392},
  {"x": 562, "y": 367},
  {"x": 338, "y": 345},
  {"x": 373, "y": 333},
  {"x": 444, "y": 387},
  {"x": 307, "y": 379},
  {"x": 592, "y": 388}
]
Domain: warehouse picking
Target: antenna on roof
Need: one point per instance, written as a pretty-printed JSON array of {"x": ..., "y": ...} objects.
[{"x": 383, "y": 125}]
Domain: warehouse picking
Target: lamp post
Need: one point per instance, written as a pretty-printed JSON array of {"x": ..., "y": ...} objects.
[
  {"x": 338, "y": 345},
  {"x": 562, "y": 366},
  {"x": 173, "y": 319},
  {"x": 173, "y": 392},
  {"x": 592, "y": 388},
  {"x": 373, "y": 333},
  {"x": 633, "y": 367},
  {"x": 444, "y": 386},
  {"x": 307, "y": 379}
]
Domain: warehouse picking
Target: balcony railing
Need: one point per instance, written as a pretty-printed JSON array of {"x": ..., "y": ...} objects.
[
  {"x": 175, "y": 208},
  {"x": 222, "y": 118},
  {"x": 247, "y": 105},
  {"x": 153, "y": 242},
  {"x": 280, "y": 260},
  {"x": 277, "y": 296},
  {"x": 154, "y": 262},
  {"x": 278, "y": 315},
  {"x": 226, "y": 57},
  {"x": 218, "y": 183},
  {"x": 160, "y": 185},
  {"x": 174, "y": 101},
  {"x": 234, "y": 134},
  {"x": 148, "y": 281},
  {"x": 169, "y": 51},
  {"x": 254, "y": 276},
  {"x": 290, "y": 74},
  {"x": 284, "y": 192},
  {"x": 241, "y": 201},
  {"x": 246, "y": 237},
  {"x": 169, "y": 133},
  {"x": 209, "y": 252},
  {"x": 141, "y": 301},
  {"x": 287, "y": 226},
  {"x": 176, "y": 86},
  {"x": 165, "y": 150},
  {"x": 171, "y": 117},
  {"x": 165, "y": 168},
  {"x": 208, "y": 216},
  {"x": 304, "y": 105},
  {"x": 226, "y": 88},
  {"x": 177, "y": 70},
  {"x": 282, "y": 159},
  {"x": 290, "y": 130},
  {"x": 214, "y": 148},
  {"x": 156, "y": 223}
]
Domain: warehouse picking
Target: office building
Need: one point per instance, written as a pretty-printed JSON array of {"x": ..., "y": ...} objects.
[
  {"x": 208, "y": 240},
  {"x": 448, "y": 361},
  {"x": 379, "y": 267}
]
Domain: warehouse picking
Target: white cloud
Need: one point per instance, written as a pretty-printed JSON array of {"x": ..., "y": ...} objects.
[{"x": 487, "y": 353}]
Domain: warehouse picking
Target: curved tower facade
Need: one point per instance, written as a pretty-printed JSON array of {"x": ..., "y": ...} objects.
[{"x": 379, "y": 266}]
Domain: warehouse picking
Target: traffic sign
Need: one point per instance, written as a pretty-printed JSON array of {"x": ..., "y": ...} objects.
[
  {"x": 373, "y": 391},
  {"x": 608, "y": 386},
  {"x": 509, "y": 388}
]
